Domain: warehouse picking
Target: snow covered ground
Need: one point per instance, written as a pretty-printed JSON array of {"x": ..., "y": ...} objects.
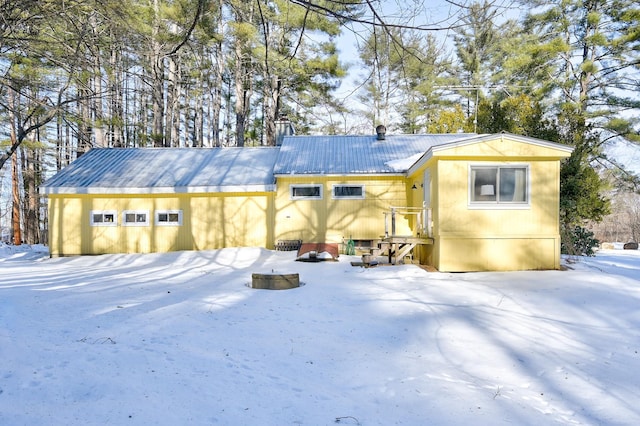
[{"x": 180, "y": 338}]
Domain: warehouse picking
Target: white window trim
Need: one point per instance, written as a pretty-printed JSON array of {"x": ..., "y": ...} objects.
[
  {"x": 136, "y": 212},
  {"x": 497, "y": 205},
  {"x": 103, "y": 212},
  {"x": 159, "y": 212},
  {"x": 350, "y": 197},
  {"x": 312, "y": 185}
]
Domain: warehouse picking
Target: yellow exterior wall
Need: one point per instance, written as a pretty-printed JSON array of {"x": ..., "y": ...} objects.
[
  {"x": 500, "y": 238},
  {"x": 500, "y": 148},
  {"x": 331, "y": 220},
  {"x": 468, "y": 238},
  {"x": 210, "y": 221}
]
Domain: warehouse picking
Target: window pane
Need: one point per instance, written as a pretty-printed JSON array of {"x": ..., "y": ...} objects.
[
  {"x": 141, "y": 217},
  {"x": 513, "y": 185},
  {"x": 484, "y": 182},
  {"x": 306, "y": 191},
  {"x": 173, "y": 217},
  {"x": 163, "y": 217},
  {"x": 109, "y": 217},
  {"x": 129, "y": 217},
  {"x": 347, "y": 191},
  {"x": 97, "y": 218}
]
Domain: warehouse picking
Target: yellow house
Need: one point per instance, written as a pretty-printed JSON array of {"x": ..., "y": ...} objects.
[
  {"x": 458, "y": 202},
  {"x": 159, "y": 200}
]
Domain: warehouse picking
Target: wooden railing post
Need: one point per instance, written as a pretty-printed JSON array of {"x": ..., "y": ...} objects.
[{"x": 393, "y": 221}]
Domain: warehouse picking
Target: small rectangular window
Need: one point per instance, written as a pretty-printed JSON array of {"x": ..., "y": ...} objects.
[
  {"x": 348, "y": 191},
  {"x": 103, "y": 218},
  {"x": 301, "y": 192},
  {"x": 135, "y": 218},
  {"x": 169, "y": 217},
  {"x": 499, "y": 185}
]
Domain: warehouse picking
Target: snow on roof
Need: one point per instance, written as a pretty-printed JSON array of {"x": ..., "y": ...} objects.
[
  {"x": 167, "y": 170},
  {"x": 340, "y": 155}
]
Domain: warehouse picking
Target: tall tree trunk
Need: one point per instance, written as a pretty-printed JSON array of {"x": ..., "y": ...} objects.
[
  {"x": 116, "y": 111},
  {"x": 97, "y": 97},
  {"x": 15, "y": 192},
  {"x": 174, "y": 110},
  {"x": 271, "y": 108},
  {"x": 60, "y": 151},
  {"x": 84, "y": 125},
  {"x": 198, "y": 115},
  {"x": 227, "y": 119},
  {"x": 157, "y": 78},
  {"x": 171, "y": 136},
  {"x": 30, "y": 177},
  {"x": 242, "y": 95},
  {"x": 15, "y": 213},
  {"x": 218, "y": 81}
]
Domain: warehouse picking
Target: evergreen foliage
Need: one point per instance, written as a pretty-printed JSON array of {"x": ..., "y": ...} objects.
[{"x": 578, "y": 241}]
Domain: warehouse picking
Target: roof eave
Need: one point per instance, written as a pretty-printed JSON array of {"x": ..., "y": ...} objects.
[
  {"x": 159, "y": 190},
  {"x": 334, "y": 175}
]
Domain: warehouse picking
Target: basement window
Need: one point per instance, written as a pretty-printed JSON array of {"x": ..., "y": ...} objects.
[
  {"x": 499, "y": 185},
  {"x": 305, "y": 192},
  {"x": 135, "y": 218},
  {"x": 348, "y": 191},
  {"x": 169, "y": 217},
  {"x": 103, "y": 218}
]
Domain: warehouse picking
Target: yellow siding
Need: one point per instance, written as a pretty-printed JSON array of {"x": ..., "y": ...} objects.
[
  {"x": 210, "y": 221},
  {"x": 331, "y": 220},
  {"x": 501, "y": 148},
  {"x": 498, "y": 254},
  {"x": 456, "y": 218},
  {"x": 474, "y": 239}
]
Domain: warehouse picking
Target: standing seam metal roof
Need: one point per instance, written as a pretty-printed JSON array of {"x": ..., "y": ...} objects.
[
  {"x": 343, "y": 155},
  {"x": 173, "y": 170},
  {"x": 145, "y": 170}
]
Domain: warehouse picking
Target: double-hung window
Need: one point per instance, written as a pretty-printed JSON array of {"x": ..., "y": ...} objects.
[
  {"x": 506, "y": 185},
  {"x": 305, "y": 192},
  {"x": 348, "y": 191},
  {"x": 103, "y": 218}
]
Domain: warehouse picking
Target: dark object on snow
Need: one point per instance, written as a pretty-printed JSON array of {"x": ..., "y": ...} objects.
[
  {"x": 288, "y": 245},
  {"x": 315, "y": 252},
  {"x": 630, "y": 246}
]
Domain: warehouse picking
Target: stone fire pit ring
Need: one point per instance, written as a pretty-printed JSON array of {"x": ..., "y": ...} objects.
[{"x": 275, "y": 281}]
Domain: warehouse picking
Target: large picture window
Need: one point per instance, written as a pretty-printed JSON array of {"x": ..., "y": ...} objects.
[
  {"x": 103, "y": 218},
  {"x": 302, "y": 192},
  {"x": 499, "y": 185},
  {"x": 348, "y": 191},
  {"x": 168, "y": 217}
]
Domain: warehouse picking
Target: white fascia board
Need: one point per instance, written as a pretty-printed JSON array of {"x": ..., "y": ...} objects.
[
  {"x": 488, "y": 137},
  {"x": 337, "y": 175},
  {"x": 421, "y": 161},
  {"x": 160, "y": 190}
]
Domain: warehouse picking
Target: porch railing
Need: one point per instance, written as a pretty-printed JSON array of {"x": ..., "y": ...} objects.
[{"x": 423, "y": 225}]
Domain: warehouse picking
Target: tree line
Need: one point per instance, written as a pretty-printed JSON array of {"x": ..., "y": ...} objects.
[{"x": 78, "y": 74}]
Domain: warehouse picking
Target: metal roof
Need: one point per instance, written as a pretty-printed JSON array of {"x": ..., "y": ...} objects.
[
  {"x": 167, "y": 170},
  {"x": 343, "y": 155},
  {"x": 198, "y": 170}
]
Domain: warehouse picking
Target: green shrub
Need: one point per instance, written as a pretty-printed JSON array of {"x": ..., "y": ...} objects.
[{"x": 578, "y": 241}]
